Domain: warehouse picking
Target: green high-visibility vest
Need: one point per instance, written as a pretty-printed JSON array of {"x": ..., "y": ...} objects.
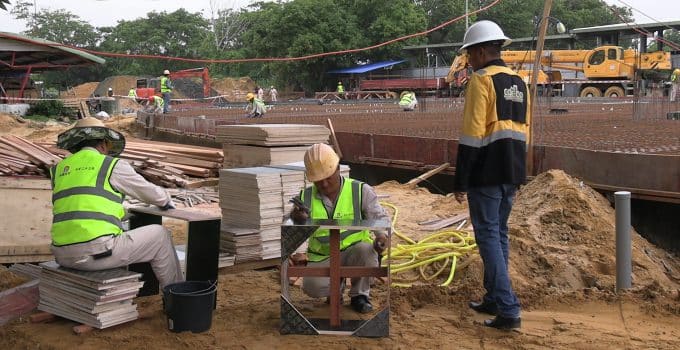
[
  {"x": 406, "y": 99},
  {"x": 131, "y": 93},
  {"x": 158, "y": 101},
  {"x": 348, "y": 207},
  {"x": 341, "y": 88},
  {"x": 85, "y": 206},
  {"x": 164, "y": 84}
]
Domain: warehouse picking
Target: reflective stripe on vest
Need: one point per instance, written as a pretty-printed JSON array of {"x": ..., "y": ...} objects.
[
  {"x": 85, "y": 206},
  {"x": 348, "y": 207},
  {"x": 164, "y": 85}
]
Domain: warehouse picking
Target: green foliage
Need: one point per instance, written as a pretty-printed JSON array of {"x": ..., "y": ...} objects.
[
  {"x": 287, "y": 29},
  {"x": 49, "y": 108}
]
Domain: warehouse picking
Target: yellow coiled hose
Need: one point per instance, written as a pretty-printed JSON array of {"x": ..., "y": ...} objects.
[{"x": 430, "y": 256}]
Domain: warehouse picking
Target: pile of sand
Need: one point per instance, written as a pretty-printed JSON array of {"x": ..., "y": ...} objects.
[
  {"x": 9, "y": 280},
  {"x": 563, "y": 240},
  {"x": 234, "y": 89},
  {"x": 121, "y": 85},
  {"x": 82, "y": 91}
]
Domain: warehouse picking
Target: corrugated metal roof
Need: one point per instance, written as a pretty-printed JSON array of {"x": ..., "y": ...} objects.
[
  {"x": 365, "y": 67},
  {"x": 18, "y": 51}
]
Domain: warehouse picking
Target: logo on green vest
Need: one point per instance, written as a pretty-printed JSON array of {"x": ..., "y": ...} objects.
[{"x": 65, "y": 171}]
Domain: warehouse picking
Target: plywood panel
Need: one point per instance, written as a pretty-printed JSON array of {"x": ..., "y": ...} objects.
[{"x": 27, "y": 212}]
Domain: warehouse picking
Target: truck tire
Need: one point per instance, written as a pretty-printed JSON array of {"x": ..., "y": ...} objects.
[
  {"x": 590, "y": 91},
  {"x": 614, "y": 91}
]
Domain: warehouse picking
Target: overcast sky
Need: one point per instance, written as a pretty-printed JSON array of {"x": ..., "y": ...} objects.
[{"x": 101, "y": 13}]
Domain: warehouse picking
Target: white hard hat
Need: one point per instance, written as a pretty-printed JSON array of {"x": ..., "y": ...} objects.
[
  {"x": 481, "y": 32},
  {"x": 166, "y": 72},
  {"x": 321, "y": 162}
]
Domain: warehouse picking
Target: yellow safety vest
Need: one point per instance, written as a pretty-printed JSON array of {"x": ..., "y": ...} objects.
[
  {"x": 348, "y": 207},
  {"x": 131, "y": 93},
  {"x": 85, "y": 205},
  {"x": 164, "y": 84},
  {"x": 341, "y": 88}
]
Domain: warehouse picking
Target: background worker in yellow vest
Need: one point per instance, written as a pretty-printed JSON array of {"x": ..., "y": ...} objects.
[
  {"x": 156, "y": 104},
  {"x": 132, "y": 93},
  {"x": 675, "y": 84},
  {"x": 335, "y": 197},
  {"x": 256, "y": 105},
  {"x": 166, "y": 90},
  {"x": 408, "y": 101},
  {"x": 87, "y": 197},
  {"x": 340, "y": 90}
]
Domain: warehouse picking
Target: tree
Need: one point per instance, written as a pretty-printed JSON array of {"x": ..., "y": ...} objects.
[
  {"x": 56, "y": 25},
  {"x": 176, "y": 34}
]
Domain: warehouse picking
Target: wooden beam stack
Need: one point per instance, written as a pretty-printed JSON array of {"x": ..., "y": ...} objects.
[
  {"x": 267, "y": 144},
  {"x": 99, "y": 299},
  {"x": 19, "y": 156}
]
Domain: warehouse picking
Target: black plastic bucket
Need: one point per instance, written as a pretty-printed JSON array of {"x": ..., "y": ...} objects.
[{"x": 189, "y": 305}]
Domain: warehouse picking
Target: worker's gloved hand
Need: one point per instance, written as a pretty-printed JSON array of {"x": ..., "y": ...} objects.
[
  {"x": 168, "y": 206},
  {"x": 299, "y": 215},
  {"x": 380, "y": 243}
]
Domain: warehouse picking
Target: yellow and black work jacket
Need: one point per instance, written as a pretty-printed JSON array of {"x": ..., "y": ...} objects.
[
  {"x": 492, "y": 147},
  {"x": 85, "y": 205},
  {"x": 347, "y": 207}
]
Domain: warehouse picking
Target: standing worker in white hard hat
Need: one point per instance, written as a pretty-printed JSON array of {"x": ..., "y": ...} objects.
[
  {"x": 491, "y": 163},
  {"x": 335, "y": 197},
  {"x": 87, "y": 197},
  {"x": 166, "y": 90}
]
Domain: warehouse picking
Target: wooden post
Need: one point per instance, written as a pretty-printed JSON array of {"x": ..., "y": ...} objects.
[
  {"x": 534, "y": 83},
  {"x": 336, "y": 145},
  {"x": 415, "y": 181},
  {"x": 335, "y": 277}
]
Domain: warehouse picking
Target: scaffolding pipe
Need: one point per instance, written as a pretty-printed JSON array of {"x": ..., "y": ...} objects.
[{"x": 623, "y": 240}]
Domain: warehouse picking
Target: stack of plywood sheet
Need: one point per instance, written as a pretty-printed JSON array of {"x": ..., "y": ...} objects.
[
  {"x": 267, "y": 144},
  {"x": 99, "y": 299},
  {"x": 254, "y": 202}
]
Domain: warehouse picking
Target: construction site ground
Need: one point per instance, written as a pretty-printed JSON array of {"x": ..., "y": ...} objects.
[{"x": 562, "y": 260}]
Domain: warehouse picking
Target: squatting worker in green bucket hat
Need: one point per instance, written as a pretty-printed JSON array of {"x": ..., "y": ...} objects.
[{"x": 88, "y": 188}]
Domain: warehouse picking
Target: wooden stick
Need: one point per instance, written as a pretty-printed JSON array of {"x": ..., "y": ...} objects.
[
  {"x": 42, "y": 317},
  {"x": 336, "y": 145},
  {"x": 415, "y": 181}
]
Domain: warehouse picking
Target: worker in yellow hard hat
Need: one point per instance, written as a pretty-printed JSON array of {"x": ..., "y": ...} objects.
[
  {"x": 256, "y": 106},
  {"x": 347, "y": 199},
  {"x": 88, "y": 188}
]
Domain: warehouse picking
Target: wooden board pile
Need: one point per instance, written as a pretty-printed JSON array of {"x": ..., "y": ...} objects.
[
  {"x": 267, "y": 144},
  {"x": 19, "y": 156},
  {"x": 253, "y": 202},
  {"x": 99, "y": 299},
  {"x": 168, "y": 165}
]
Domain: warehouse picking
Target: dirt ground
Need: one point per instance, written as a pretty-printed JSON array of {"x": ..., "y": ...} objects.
[
  {"x": 562, "y": 268},
  {"x": 47, "y": 131}
]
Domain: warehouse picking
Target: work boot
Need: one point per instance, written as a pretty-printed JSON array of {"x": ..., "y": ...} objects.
[
  {"x": 484, "y": 307},
  {"x": 504, "y": 323},
  {"x": 361, "y": 304}
]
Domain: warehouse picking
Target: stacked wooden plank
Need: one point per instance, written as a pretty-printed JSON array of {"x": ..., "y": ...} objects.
[
  {"x": 19, "y": 156},
  {"x": 164, "y": 164},
  {"x": 99, "y": 299},
  {"x": 267, "y": 144},
  {"x": 254, "y": 202}
]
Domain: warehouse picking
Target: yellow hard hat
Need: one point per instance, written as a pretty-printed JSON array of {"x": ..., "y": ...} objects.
[
  {"x": 321, "y": 161},
  {"x": 250, "y": 96}
]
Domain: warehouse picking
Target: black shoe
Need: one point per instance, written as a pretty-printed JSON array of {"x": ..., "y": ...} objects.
[
  {"x": 504, "y": 323},
  {"x": 361, "y": 304},
  {"x": 484, "y": 307}
]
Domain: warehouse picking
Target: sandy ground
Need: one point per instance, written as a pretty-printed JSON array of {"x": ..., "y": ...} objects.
[{"x": 562, "y": 267}]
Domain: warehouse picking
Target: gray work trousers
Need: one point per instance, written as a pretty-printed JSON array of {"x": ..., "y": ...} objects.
[
  {"x": 360, "y": 254},
  {"x": 151, "y": 243}
]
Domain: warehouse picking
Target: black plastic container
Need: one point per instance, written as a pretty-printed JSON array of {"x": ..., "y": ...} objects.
[{"x": 189, "y": 305}]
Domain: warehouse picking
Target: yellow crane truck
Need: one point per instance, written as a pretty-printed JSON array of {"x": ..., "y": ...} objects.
[{"x": 608, "y": 71}]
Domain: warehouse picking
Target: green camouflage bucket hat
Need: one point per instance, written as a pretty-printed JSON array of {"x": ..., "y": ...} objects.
[{"x": 91, "y": 129}]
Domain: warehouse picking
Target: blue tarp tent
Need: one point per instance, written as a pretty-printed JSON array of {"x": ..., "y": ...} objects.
[{"x": 365, "y": 67}]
